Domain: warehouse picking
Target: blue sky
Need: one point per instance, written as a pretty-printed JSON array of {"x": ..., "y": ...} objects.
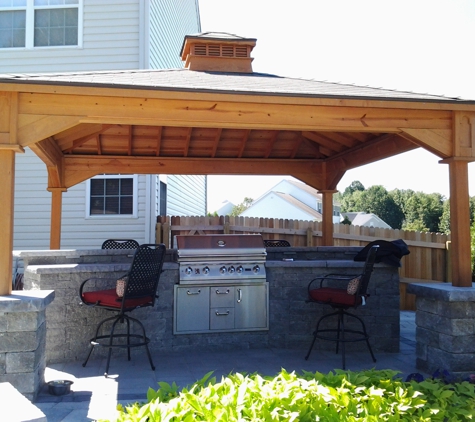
[{"x": 422, "y": 46}]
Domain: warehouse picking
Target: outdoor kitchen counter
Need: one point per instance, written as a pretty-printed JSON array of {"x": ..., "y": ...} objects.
[{"x": 291, "y": 319}]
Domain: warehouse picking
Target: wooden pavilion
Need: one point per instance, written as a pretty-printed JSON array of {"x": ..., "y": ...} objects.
[{"x": 216, "y": 116}]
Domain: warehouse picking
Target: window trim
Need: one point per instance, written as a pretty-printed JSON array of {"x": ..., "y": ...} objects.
[
  {"x": 30, "y": 25},
  {"x": 135, "y": 200}
]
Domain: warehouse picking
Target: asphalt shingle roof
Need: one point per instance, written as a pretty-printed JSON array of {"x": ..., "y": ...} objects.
[{"x": 221, "y": 82}]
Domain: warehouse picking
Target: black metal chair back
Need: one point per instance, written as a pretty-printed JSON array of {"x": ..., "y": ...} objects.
[
  {"x": 276, "y": 243},
  {"x": 144, "y": 273},
  {"x": 367, "y": 271},
  {"x": 120, "y": 244}
]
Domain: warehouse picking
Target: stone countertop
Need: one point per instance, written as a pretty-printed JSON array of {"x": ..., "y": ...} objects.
[
  {"x": 95, "y": 267},
  {"x": 317, "y": 263},
  {"x": 443, "y": 291},
  {"x": 26, "y": 300}
]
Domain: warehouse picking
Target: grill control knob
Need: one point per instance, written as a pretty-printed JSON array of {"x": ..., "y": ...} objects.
[
  {"x": 188, "y": 271},
  {"x": 256, "y": 269},
  {"x": 231, "y": 270},
  {"x": 222, "y": 270},
  {"x": 240, "y": 269},
  {"x": 206, "y": 270}
]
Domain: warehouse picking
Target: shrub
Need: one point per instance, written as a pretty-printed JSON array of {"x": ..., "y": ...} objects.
[{"x": 374, "y": 395}]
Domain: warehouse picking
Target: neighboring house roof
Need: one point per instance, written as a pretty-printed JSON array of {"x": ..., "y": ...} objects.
[
  {"x": 298, "y": 204},
  {"x": 225, "y": 82},
  {"x": 226, "y": 208},
  {"x": 365, "y": 219},
  {"x": 294, "y": 203}
]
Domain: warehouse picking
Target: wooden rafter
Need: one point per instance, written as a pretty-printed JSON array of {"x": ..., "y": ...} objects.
[
  {"x": 186, "y": 147},
  {"x": 297, "y": 142},
  {"x": 244, "y": 139},
  {"x": 271, "y": 143},
  {"x": 215, "y": 144},
  {"x": 159, "y": 140}
]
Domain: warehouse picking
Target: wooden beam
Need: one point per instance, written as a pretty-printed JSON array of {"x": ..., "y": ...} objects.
[
  {"x": 125, "y": 110},
  {"x": 80, "y": 168},
  {"x": 43, "y": 127},
  {"x": 323, "y": 141},
  {"x": 159, "y": 140},
  {"x": 216, "y": 139},
  {"x": 439, "y": 142},
  {"x": 384, "y": 146},
  {"x": 244, "y": 138},
  {"x": 49, "y": 152},
  {"x": 464, "y": 134}
]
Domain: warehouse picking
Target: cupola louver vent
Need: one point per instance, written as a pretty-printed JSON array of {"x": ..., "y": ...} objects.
[{"x": 220, "y": 52}]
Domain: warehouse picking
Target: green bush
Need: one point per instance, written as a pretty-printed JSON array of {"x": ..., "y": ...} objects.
[{"x": 374, "y": 395}]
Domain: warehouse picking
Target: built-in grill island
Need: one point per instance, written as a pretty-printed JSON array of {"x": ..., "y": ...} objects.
[{"x": 222, "y": 284}]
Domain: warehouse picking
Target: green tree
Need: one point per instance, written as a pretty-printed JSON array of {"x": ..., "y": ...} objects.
[
  {"x": 377, "y": 200},
  {"x": 239, "y": 208},
  {"x": 355, "y": 186},
  {"x": 424, "y": 211}
]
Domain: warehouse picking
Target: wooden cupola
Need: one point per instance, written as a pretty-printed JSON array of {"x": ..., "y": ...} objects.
[{"x": 218, "y": 52}]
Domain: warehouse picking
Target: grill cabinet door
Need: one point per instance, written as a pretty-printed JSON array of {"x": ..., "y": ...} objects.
[
  {"x": 191, "y": 308},
  {"x": 250, "y": 307}
]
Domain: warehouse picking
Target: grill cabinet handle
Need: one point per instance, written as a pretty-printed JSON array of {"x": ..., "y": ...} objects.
[
  {"x": 239, "y": 296},
  {"x": 222, "y": 293},
  {"x": 193, "y": 293},
  {"x": 222, "y": 313}
]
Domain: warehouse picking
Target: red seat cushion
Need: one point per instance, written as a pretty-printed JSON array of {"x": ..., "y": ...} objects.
[
  {"x": 110, "y": 299},
  {"x": 331, "y": 295}
]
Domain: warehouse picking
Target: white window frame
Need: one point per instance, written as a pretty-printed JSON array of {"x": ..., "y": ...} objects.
[
  {"x": 30, "y": 24},
  {"x": 135, "y": 199}
]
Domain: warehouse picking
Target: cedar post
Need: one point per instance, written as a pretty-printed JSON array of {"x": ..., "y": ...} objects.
[
  {"x": 7, "y": 187},
  {"x": 327, "y": 217},
  {"x": 460, "y": 223},
  {"x": 56, "y": 210}
]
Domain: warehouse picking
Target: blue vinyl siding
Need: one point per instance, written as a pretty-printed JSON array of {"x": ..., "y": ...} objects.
[{"x": 170, "y": 21}]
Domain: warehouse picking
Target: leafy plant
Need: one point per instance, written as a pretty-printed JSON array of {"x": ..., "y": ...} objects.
[{"x": 372, "y": 395}]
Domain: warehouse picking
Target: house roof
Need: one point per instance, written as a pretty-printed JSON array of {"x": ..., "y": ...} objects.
[
  {"x": 221, "y": 82},
  {"x": 363, "y": 219},
  {"x": 292, "y": 201}
]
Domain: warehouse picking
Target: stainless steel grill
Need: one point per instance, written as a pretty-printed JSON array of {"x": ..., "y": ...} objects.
[{"x": 220, "y": 258}]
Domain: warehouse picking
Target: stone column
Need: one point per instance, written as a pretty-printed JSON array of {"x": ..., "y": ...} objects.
[
  {"x": 23, "y": 339},
  {"x": 445, "y": 329}
]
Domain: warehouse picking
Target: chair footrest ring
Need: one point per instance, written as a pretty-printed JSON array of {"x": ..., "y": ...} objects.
[
  {"x": 361, "y": 335},
  {"x": 96, "y": 342}
]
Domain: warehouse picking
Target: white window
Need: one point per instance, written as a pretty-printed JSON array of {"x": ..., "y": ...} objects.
[
  {"x": 40, "y": 23},
  {"x": 112, "y": 196}
]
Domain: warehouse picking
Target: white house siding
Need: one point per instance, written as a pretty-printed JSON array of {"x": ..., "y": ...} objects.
[
  {"x": 167, "y": 35},
  {"x": 110, "y": 41},
  {"x": 78, "y": 231},
  {"x": 186, "y": 195},
  {"x": 32, "y": 203},
  {"x": 114, "y": 34}
]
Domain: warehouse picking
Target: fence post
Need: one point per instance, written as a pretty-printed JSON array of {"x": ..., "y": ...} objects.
[
  {"x": 158, "y": 233},
  {"x": 166, "y": 234},
  {"x": 309, "y": 236},
  {"x": 226, "y": 227},
  {"x": 448, "y": 261}
]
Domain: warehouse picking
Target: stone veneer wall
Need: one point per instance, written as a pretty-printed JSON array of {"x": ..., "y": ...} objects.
[
  {"x": 445, "y": 328},
  {"x": 23, "y": 340},
  {"x": 291, "y": 320}
]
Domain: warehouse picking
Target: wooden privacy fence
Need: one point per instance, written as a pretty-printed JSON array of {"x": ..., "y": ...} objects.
[{"x": 427, "y": 260}]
